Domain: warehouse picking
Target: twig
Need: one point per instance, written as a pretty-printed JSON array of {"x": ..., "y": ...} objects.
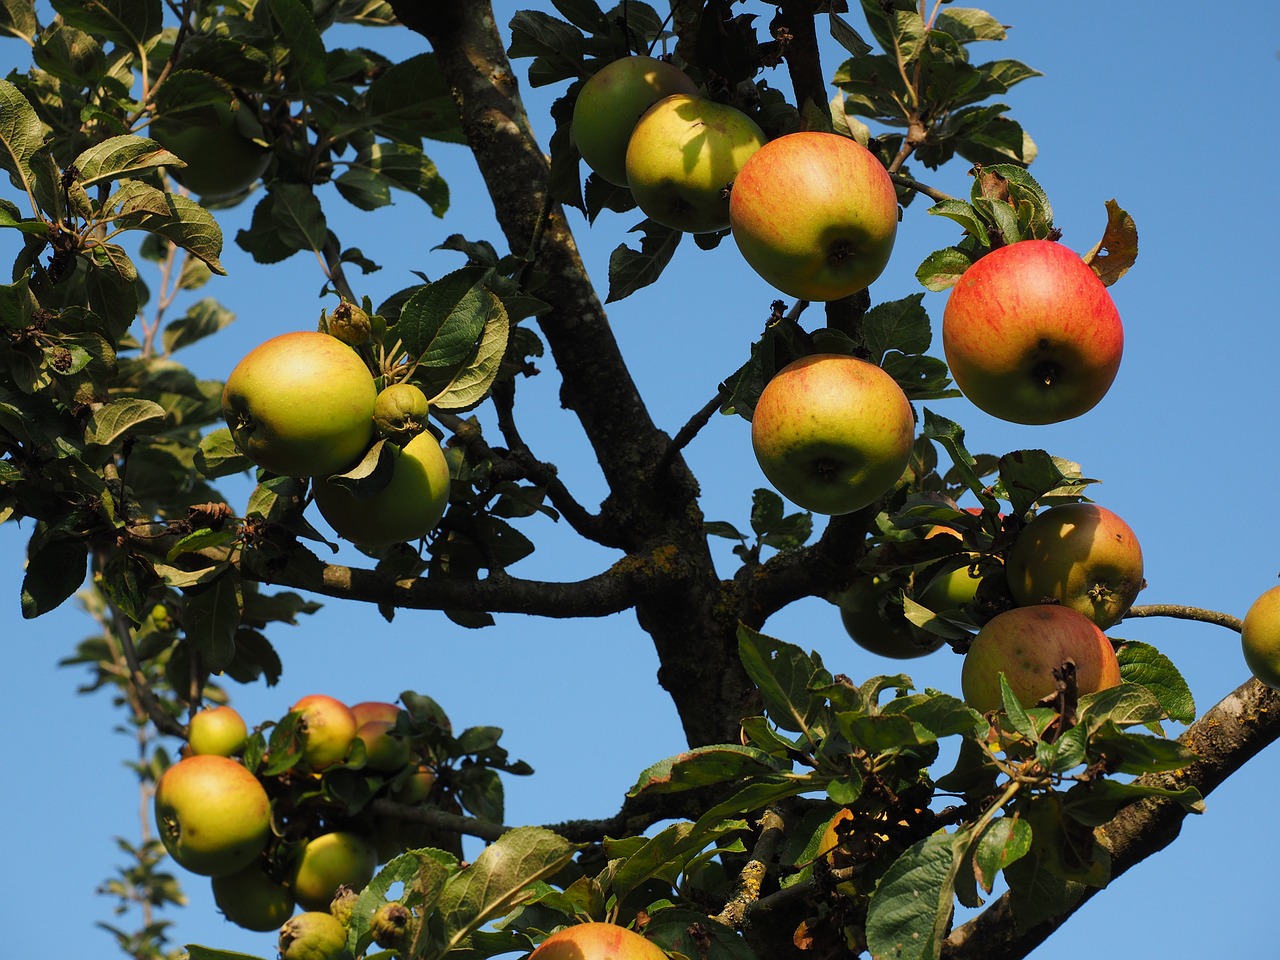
[
  {"x": 1180, "y": 612},
  {"x": 690, "y": 430},
  {"x": 902, "y": 180},
  {"x": 747, "y": 891}
]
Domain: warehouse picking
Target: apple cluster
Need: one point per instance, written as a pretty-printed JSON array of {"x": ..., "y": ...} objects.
[
  {"x": 305, "y": 404},
  {"x": 269, "y": 830}
]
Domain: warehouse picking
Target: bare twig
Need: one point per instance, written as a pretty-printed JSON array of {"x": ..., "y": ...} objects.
[{"x": 1180, "y": 612}]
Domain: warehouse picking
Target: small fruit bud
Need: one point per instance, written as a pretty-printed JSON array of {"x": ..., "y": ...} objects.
[
  {"x": 391, "y": 926},
  {"x": 349, "y": 324},
  {"x": 400, "y": 412}
]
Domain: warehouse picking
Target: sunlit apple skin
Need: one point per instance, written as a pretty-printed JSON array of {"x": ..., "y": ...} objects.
[
  {"x": 326, "y": 729},
  {"x": 217, "y": 142},
  {"x": 407, "y": 508},
  {"x": 610, "y": 104},
  {"x": 1080, "y": 555},
  {"x": 368, "y": 710},
  {"x": 886, "y": 634},
  {"x": 329, "y": 861},
  {"x": 314, "y": 935},
  {"x": 301, "y": 405},
  {"x": 815, "y": 214},
  {"x": 1031, "y": 334},
  {"x": 1028, "y": 643},
  {"x": 597, "y": 941},
  {"x": 251, "y": 899},
  {"x": 384, "y": 751},
  {"x": 683, "y": 154},
  {"x": 832, "y": 433},
  {"x": 214, "y": 817},
  {"x": 220, "y": 731},
  {"x": 951, "y": 588},
  {"x": 1260, "y": 638}
]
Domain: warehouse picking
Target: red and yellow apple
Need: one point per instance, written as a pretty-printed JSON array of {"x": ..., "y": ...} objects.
[
  {"x": 597, "y": 941},
  {"x": 815, "y": 214},
  {"x": 610, "y": 104},
  {"x": 251, "y": 899},
  {"x": 832, "y": 433},
  {"x": 1027, "y": 644},
  {"x": 213, "y": 815},
  {"x": 406, "y": 509},
  {"x": 329, "y": 861},
  {"x": 683, "y": 155},
  {"x": 219, "y": 731},
  {"x": 1080, "y": 555},
  {"x": 326, "y": 729},
  {"x": 301, "y": 405},
  {"x": 1031, "y": 334},
  {"x": 1260, "y": 638},
  {"x": 367, "y": 710}
]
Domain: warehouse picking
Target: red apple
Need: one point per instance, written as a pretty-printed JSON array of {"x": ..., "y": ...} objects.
[
  {"x": 1080, "y": 555},
  {"x": 217, "y": 730},
  {"x": 1031, "y": 334},
  {"x": 214, "y": 817},
  {"x": 329, "y": 861},
  {"x": 597, "y": 941},
  {"x": 326, "y": 729},
  {"x": 1260, "y": 638},
  {"x": 610, "y": 104},
  {"x": 301, "y": 405},
  {"x": 832, "y": 433},
  {"x": 1027, "y": 644},
  {"x": 683, "y": 154},
  {"x": 815, "y": 214}
]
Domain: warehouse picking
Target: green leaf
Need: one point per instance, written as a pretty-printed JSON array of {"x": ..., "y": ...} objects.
[
  {"x": 18, "y": 19},
  {"x": 786, "y": 676},
  {"x": 55, "y": 570},
  {"x": 1124, "y": 705},
  {"x": 112, "y": 421},
  {"x": 440, "y": 323},
  {"x": 881, "y": 733},
  {"x": 379, "y": 166},
  {"x": 1019, "y": 719},
  {"x": 411, "y": 100},
  {"x": 1143, "y": 664},
  {"x": 1005, "y": 840},
  {"x": 846, "y": 36},
  {"x": 941, "y": 714},
  {"x": 964, "y": 214},
  {"x": 901, "y": 325},
  {"x": 967, "y": 24},
  {"x": 912, "y": 904},
  {"x": 120, "y": 157},
  {"x": 1138, "y": 753},
  {"x": 172, "y": 217},
  {"x": 203, "y": 318},
  {"x": 197, "y": 952},
  {"x": 131, "y": 23},
  {"x": 683, "y": 932},
  {"x": 218, "y": 455},
  {"x": 951, "y": 435},
  {"x": 942, "y": 269},
  {"x": 470, "y": 385},
  {"x": 21, "y": 135},
  {"x": 296, "y": 31},
  {"x": 629, "y": 269},
  {"x": 1030, "y": 477},
  {"x": 423, "y": 874},
  {"x": 556, "y": 46},
  {"x": 766, "y": 510},
  {"x": 1098, "y": 801},
  {"x": 716, "y": 763},
  {"x": 212, "y": 616}
]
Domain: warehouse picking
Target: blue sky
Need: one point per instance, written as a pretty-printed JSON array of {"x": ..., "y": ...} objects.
[{"x": 1172, "y": 117}]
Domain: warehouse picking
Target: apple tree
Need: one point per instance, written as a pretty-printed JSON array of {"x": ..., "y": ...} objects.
[{"x": 807, "y": 813}]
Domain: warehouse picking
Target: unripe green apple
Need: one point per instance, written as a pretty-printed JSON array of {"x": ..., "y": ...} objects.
[
  {"x": 326, "y": 729},
  {"x": 406, "y": 509},
  {"x": 832, "y": 433},
  {"x": 251, "y": 899},
  {"x": 815, "y": 214},
  {"x": 1080, "y": 555},
  {"x": 221, "y": 144},
  {"x": 416, "y": 787},
  {"x": 314, "y": 935},
  {"x": 217, "y": 730},
  {"x": 1031, "y": 334},
  {"x": 400, "y": 412},
  {"x": 384, "y": 751},
  {"x": 683, "y": 154},
  {"x": 1260, "y": 638},
  {"x": 597, "y": 941},
  {"x": 328, "y": 862},
  {"x": 301, "y": 405},
  {"x": 612, "y": 101},
  {"x": 214, "y": 817},
  {"x": 887, "y": 632},
  {"x": 1028, "y": 644},
  {"x": 950, "y": 588}
]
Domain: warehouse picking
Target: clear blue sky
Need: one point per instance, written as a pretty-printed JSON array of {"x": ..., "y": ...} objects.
[{"x": 1173, "y": 117}]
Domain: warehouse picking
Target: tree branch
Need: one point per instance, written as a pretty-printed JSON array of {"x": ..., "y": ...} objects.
[{"x": 1180, "y": 612}]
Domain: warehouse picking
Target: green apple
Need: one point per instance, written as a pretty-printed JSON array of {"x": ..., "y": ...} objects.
[
  {"x": 880, "y": 627},
  {"x": 214, "y": 817},
  {"x": 223, "y": 145},
  {"x": 1260, "y": 638},
  {"x": 832, "y": 433},
  {"x": 815, "y": 214},
  {"x": 1080, "y": 555},
  {"x": 328, "y": 862},
  {"x": 597, "y": 941},
  {"x": 251, "y": 899},
  {"x": 1031, "y": 334},
  {"x": 383, "y": 750},
  {"x": 1028, "y": 644},
  {"x": 301, "y": 405},
  {"x": 414, "y": 788},
  {"x": 326, "y": 729},
  {"x": 400, "y": 412},
  {"x": 406, "y": 509},
  {"x": 217, "y": 730},
  {"x": 683, "y": 155},
  {"x": 314, "y": 935},
  {"x": 951, "y": 588},
  {"x": 612, "y": 101}
]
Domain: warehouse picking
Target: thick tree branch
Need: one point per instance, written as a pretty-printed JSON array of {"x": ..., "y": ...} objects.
[
  {"x": 1224, "y": 739},
  {"x": 804, "y": 63}
]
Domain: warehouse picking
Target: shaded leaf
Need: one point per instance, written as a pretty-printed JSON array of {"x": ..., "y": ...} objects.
[
  {"x": 1113, "y": 255},
  {"x": 716, "y": 763},
  {"x": 629, "y": 269},
  {"x": 912, "y": 904}
]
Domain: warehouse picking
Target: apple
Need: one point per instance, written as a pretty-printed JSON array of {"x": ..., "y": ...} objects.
[
  {"x": 815, "y": 214},
  {"x": 1031, "y": 334},
  {"x": 1260, "y": 638},
  {"x": 951, "y": 588},
  {"x": 328, "y": 862},
  {"x": 251, "y": 899},
  {"x": 1080, "y": 555},
  {"x": 682, "y": 155},
  {"x": 314, "y": 935},
  {"x": 400, "y": 412},
  {"x": 406, "y": 509},
  {"x": 886, "y": 633},
  {"x": 222, "y": 144},
  {"x": 326, "y": 729},
  {"x": 1027, "y": 644},
  {"x": 832, "y": 433},
  {"x": 220, "y": 731},
  {"x": 367, "y": 710},
  {"x": 301, "y": 405},
  {"x": 597, "y": 941},
  {"x": 416, "y": 787},
  {"x": 612, "y": 101},
  {"x": 213, "y": 815},
  {"x": 384, "y": 751}
]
